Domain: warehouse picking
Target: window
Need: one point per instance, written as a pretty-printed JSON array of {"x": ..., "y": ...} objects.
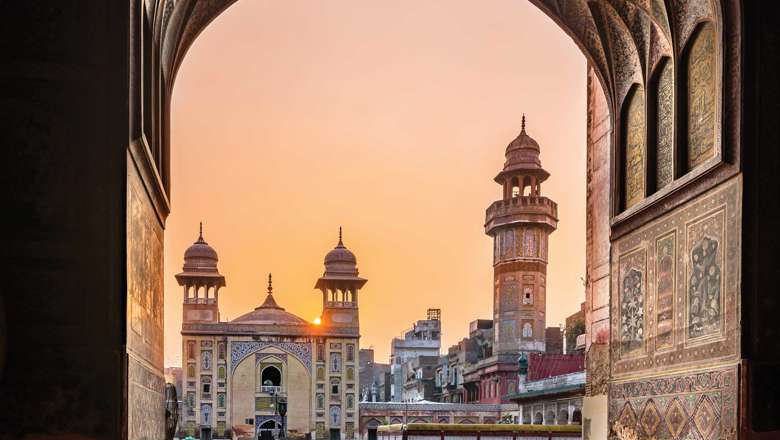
[
  {"x": 206, "y": 388},
  {"x": 221, "y": 350},
  {"x": 335, "y": 416},
  {"x": 221, "y": 372},
  {"x": 320, "y": 401},
  {"x": 270, "y": 378},
  {"x": 190, "y": 370},
  {"x": 335, "y": 389},
  {"x": 321, "y": 352},
  {"x": 205, "y": 360},
  {"x": 350, "y": 401},
  {"x": 350, "y": 353},
  {"x": 205, "y": 415},
  {"x": 320, "y": 373},
  {"x": 335, "y": 362},
  {"x": 527, "y": 330},
  {"x": 528, "y": 297},
  {"x": 249, "y": 421},
  {"x": 350, "y": 373},
  {"x": 221, "y": 400}
]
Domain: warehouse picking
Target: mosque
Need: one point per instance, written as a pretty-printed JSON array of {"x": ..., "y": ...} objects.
[{"x": 269, "y": 369}]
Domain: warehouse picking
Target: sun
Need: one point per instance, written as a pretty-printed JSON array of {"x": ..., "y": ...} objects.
[{"x": 317, "y": 321}]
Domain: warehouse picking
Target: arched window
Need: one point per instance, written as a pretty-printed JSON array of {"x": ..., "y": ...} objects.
[
  {"x": 538, "y": 419},
  {"x": 350, "y": 353},
  {"x": 221, "y": 372},
  {"x": 320, "y": 401},
  {"x": 350, "y": 373},
  {"x": 205, "y": 415},
  {"x": 335, "y": 362},
  {"x": 221, "y": 400},
  {"x": 221, "y": 350},
  {"x": 576, "y": 417},
  {"x": 563, "y": 417},
  {"x": 335, "y": 416},
  {"x": 550, "y": 417},
  {"x": 270, "y": 377},
  {"x": 205, "y": 360},
  {"x": 528, "y": 297},
  {"x": 350, "y": 401},
  {"x": 528, "y": 331},
  {"x": 190, "y": 370}
]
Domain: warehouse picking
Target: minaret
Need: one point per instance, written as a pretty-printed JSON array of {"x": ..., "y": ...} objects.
[
  {"x": 201, "y": 281},
  {"x": 520, "y": 224},
  {"x": 339, "y": 286}
]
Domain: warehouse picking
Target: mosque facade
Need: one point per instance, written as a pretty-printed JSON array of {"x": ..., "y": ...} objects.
[{"x": 269, "y": 370}]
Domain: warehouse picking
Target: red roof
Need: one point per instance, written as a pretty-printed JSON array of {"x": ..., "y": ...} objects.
[{"x": 543, "y": 365}]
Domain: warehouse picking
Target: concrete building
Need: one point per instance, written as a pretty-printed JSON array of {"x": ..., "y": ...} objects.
[
  {"x": 553, "y": 340},
  {"x": 420, "y": 379},
  {"x": 374, "y": 377},
  {"x": 423, "y": 339},
  {"x": 236, "y": 372}
]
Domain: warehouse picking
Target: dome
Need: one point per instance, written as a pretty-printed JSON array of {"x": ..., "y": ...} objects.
[
  {"x": 522, "y": 152},
  {"x": 200, "y": 257},
  {"x": 270, "y": 313},
  {"x": 340, "y": 260}
]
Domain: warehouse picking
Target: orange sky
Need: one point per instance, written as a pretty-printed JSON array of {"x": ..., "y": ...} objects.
[{"x": 389, "y": 118}]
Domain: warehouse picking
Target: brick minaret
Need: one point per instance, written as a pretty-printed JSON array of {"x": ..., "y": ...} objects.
[{"x": 520, "y": 224}]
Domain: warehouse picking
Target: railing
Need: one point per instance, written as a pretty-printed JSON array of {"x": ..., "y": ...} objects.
[
  {"x": 270, "y": 389},
  {"x": 440, "y": 431},
  {"x": 502, "y": 207}
]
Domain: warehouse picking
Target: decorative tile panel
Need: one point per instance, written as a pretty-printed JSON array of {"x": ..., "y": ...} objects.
[
  {"x": 241, "y": 349},
  {"x": 700, "y": 405},
  {"x": 691, "y": 297}
]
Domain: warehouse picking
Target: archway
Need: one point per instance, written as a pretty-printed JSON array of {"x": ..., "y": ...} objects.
[
  {"x": 271, "y": 379},
  {"x": 94, "y": 44}
]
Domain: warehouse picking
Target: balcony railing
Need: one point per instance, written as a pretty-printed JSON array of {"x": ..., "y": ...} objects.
[
  {"x": 270, "y": 389},
  {"x": 529, "y": 204}
]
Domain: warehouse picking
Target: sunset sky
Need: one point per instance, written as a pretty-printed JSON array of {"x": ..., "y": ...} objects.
[{"x": 291, "y": 118}]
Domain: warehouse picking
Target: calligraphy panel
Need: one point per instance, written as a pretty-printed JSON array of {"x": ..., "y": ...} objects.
[
  {"x": 664, "y": 171},
  {"x": 701, "y": 97},
  {"x": 664, "y": 285},
  {"x": 634, "y": 150}
]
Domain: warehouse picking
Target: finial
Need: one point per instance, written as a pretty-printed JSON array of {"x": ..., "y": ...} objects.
[
  {"x": 270, "y": 285},
  {"x": 340, "y": 242},
  {"x": 200, "y": 233},
  {"x": 523, "y": 123}
]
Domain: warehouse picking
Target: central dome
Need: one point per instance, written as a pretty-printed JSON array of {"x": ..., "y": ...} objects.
[{"x": 270, "y": 313}]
